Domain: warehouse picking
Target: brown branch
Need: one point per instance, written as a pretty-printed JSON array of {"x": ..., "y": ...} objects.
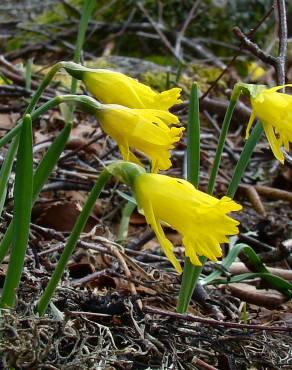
[
  {"x": 218, "y": 106},
  {"x": 241, "y": 46},
  {"x": 212, "y": 322},
  {"x": 273, "y": 193},
  {"x": 254, "y": 198},
  {"x": 277, "y": 62},
  {"x": 164, "y": 39},
  {"x": 254, "y": 48},
  {"x": 280, "y": 14},
  {"x": 239, "y": 268},
  {"x": 188, "y": 20}
]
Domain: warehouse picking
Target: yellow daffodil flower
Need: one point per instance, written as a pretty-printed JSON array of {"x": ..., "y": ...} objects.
[
  {"x": 255, "y": 71},
  {"x": 147, "y": 130},
  {"x": 116, "y": 88},
  {"x": 274, "y": 110},
  {"x": 200, "y": 218}
]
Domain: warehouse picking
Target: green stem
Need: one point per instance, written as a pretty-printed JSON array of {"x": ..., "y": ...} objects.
[
  {"x": 5, "y": 139},
  {"x": 46, "y": 81},
  {"x": 84, "y": 100},
  {"x": 72, "y": 241},
  {"x": 244, "y": 159},
  {"x": 191, "y": 272},
  {"x": 21, "y": 213},
  {"x": 191, "y": 275},
  {"x": 10, "y": 135}
]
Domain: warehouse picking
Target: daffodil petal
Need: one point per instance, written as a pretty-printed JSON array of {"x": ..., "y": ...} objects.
[
  {"x": 164, "y": 242},
  {"x": 113, "y": 87},
  {"x": 134, "y": 159},
  {"x": 141, "y": 129},
  {"x": 274, "y": 143},
  {"x": 274, "y": 109},
  {"x": 201, "y": 219},
  {"x": 250, "y": 122},
  {"x": 125, "y": 150},
  {"x": 276, "y": 88}
]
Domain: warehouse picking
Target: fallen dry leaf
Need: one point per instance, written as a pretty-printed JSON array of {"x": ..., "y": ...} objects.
[{"x": 61, "y": 216}]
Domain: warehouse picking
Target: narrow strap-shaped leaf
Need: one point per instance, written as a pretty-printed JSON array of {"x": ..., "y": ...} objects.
[
  {"x": 87, "y": 10},
  {"x": 278, "y": 283},
  {"x": 10, "y": 135},
  {"x": 191, "y": 273},
  {"x": 124, "y": 224},
  {"x": 28, "y": 73},
  {"x": 50, "y": 160},
  {"x": 21, "y": 213},
  {"x": 40, "y": 177},
  {"x": 193, "y": 138},
  {"x": 244, "y": 159},
  {"x": 6, "y": 171},
  {"x": 194, "y": 272},
  {"x": 222, "y": 138}
]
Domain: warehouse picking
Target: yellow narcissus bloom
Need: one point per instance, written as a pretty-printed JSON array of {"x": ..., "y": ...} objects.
[
  {"x": 255, "y": 71},
  {"x": 274, "y": 110},
  {"x": 116, "y": 88},
  {"x": 147, "y": 130},
  {"x": 200, "y": 218}
]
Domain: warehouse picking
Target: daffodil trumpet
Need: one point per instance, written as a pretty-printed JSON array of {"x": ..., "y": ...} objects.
[
  {"x": 201, "y": 219},
  {"x": 274, "y": 110},
  {"x": 150, "y": 131},
  {"x": 111, "y": 87}
]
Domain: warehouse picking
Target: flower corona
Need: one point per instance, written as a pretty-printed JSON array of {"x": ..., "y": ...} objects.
[
  {"x": 200, "y": 218},
  {"x": 274, "y": 110},
  {"x": 147, "y": 130}
]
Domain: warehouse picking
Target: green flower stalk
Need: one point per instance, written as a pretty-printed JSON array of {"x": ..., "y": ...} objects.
[{"x": 125, "y": 172}]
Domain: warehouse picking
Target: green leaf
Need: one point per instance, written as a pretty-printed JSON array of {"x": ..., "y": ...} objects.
[
  {"x": 244, "y": 158},
  {"x": 40, "y": 177},
  {"x": 276, "y": 282},
  {"x": 191, "y": 273},
  {"x": 50, "y": 160},
  {"x": 193, "y": 138},
  {"x": 124, "y": 224},
  {"x": 6, "y": 171},
  {"x": 21, "y": 213},
  {"x": 28, "y": 73},
  {"x": 222, "y": 139},
  {"x": 127, "y": 197}
]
